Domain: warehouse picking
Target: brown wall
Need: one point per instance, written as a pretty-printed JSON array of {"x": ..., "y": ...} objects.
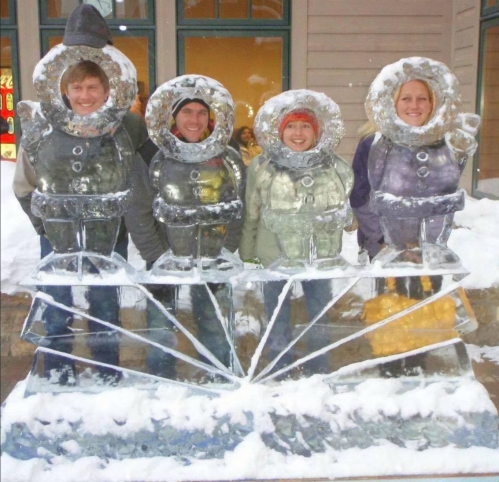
[
  {"x": 489, "y": 140},
  {"x": 349, "y": 43},
  {"x": 466, "y": 32}
]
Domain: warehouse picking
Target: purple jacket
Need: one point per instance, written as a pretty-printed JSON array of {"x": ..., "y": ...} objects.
[{"x": 361, "y": 186}]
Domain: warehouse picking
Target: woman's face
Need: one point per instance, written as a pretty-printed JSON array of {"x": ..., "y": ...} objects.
[
  {"x": 299, "y": 136},
  {"x": 246, "y": 136},
  {"x": 414, "y": 104}
]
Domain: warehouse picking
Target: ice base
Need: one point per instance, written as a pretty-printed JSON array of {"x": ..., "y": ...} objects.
[
  {"x": 430, "y": 256},
  {"x": 216, "y": 269},
  {"x": 295, "y": 266},
  {"x": 360, "y": 405},
  {"x": 352, "y": 417},
  {"x": 81, "y": 268}
]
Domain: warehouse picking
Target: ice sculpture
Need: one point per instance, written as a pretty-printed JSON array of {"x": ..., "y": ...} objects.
[
  {"x": 198, "y": 184},
  {"x": 82, "y": 162},
  {"x": 302, "y": 197},
  {"x": 414, "y": 170}
]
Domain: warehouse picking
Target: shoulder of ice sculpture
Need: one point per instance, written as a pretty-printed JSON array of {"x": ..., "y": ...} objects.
[
  {"x": 380, "y": 106},
  {"x": 159, "y": 117},
  {"x": 345, "y": 173},
  {"x": 275, "y": 109},
  {"x": 34, "y": 125},
  {"x": 122, "y": 83}
]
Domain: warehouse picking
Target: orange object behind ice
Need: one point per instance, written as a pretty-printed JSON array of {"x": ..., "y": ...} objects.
[{"x": 432, "y": 323}]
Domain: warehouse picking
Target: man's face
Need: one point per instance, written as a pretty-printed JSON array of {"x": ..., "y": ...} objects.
[
  {"x": 86, "y": 96},
  {"x": 192, "y": 120}
]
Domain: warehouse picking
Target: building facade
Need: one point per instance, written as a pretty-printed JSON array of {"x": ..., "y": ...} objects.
[{"x": 258, "y": 48}]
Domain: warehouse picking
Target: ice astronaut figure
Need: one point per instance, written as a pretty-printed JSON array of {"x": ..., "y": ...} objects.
[
  {"x": 198, "y": 185},
  {"x": 302, "y": 197},
  {"x": 414, "y": 172},
  {"x": 82, "y": 163}
]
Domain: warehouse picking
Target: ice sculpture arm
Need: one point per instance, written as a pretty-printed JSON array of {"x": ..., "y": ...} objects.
[
  {"x": 34, "y": 125},
  {"x": 247, "y": 246},
  {"x": 345, "y": 173},
  {"x": 146, "y": 232},
  {"x": 23, "y": 185},
  {"x": 461, "y": 140},
  {"x": 234, "y": 230},
  {"x": 378, "y": 154},
  {"x": 238, "y": 168}
]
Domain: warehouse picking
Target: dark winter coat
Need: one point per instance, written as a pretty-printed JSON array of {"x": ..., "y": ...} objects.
[{"x": 369, "y": 234}]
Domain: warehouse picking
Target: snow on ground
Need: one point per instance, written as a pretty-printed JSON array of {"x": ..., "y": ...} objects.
[{"x": 480, "y": 353}]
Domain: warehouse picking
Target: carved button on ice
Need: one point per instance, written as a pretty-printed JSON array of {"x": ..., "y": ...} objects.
[
  {"x": 422, "y": 156},
  {"x": 423, "y": 171},
  {"x": 77, "y": 150},
  {"x": 194, "y": 175},
  {"x": 76, "y": 166},
  {"x": 421, "y": 185},
  {"x": 310, "y": 199},
  {"x": 307, "y": 181}
]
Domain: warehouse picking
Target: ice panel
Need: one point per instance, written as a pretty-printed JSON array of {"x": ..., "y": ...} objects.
[
  {"x": 56, "y": 372},
  {"x": 81, "y": 268},
  {"x": 151, "y": 338},
  {"x": 447, "y": 360},
  {"x": 375, "y": 317}
]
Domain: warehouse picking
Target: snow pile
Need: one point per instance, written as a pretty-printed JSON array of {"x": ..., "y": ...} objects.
[
  {"x": 476, "y": 241},
  {"x": 251, "y": 458}
]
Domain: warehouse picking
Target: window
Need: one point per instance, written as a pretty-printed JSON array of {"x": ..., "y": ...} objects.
[
  {"x": 132, "y": 26},
  {"x": 244, "y": 44},
  {"x": 9, "y": 81},
  {"x": 140, "y": 12},
  {"x": 233, "y": 12},
  {"x": 486, "y": 165}
]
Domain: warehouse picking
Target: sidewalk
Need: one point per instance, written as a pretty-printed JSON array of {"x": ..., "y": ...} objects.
[{"x": 17, "y": 355}]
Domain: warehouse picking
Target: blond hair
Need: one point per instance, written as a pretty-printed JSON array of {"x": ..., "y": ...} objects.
[{"x": 369, "y": 128}]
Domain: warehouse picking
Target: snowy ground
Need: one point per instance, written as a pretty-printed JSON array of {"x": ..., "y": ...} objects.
[{"x": 476, "y": 241}]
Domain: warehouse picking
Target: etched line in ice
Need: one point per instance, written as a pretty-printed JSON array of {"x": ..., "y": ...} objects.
[
  {"x": 197, "y": 344},
  {"x": 256, "y": 356},
  {"x": 314, "y": 320},
  {"x": 224, "y": 323},
  {"x": 130, "y": 334}
]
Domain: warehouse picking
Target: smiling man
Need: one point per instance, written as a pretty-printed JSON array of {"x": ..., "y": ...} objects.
[
  {"x": 86, "y": 86},
  {"x": 192, "y": 120}
]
